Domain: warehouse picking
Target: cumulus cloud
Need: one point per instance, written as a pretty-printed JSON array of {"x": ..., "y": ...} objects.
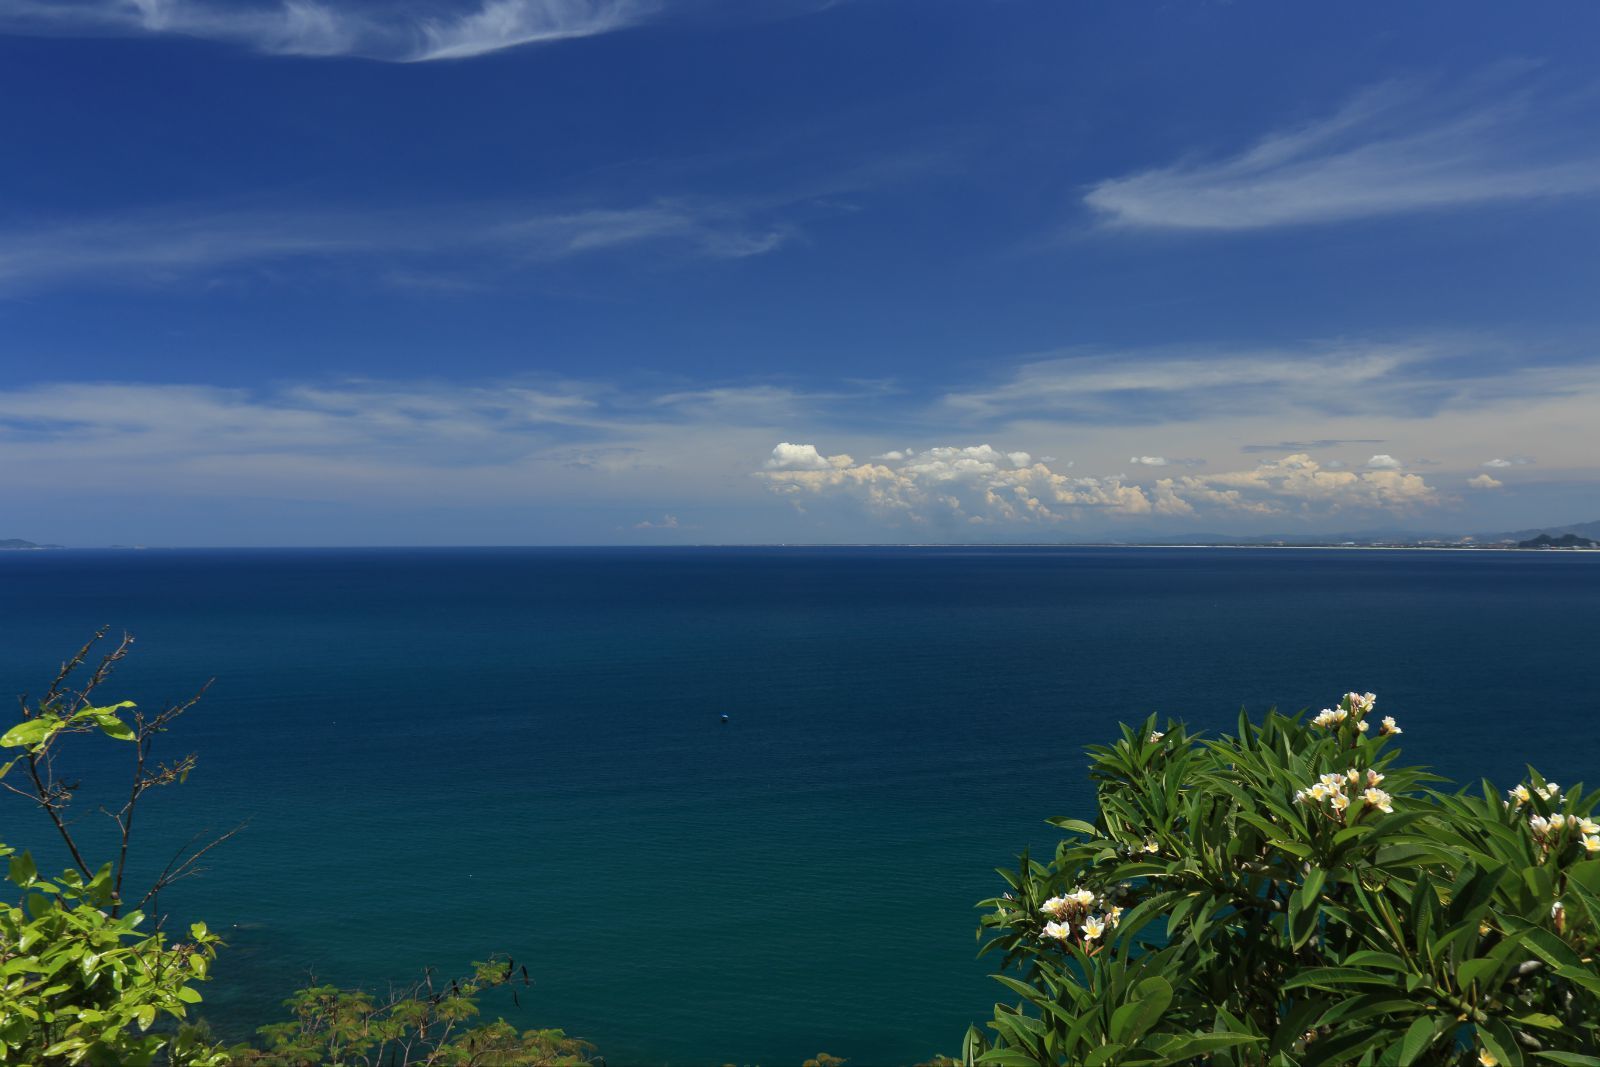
[
  {"x": 1509, "y": 461},
  {"x": 1484, "y": 481},
  {"x": 1384, "y": 462},
  {"x": 975, "y": 484},
  {"x": 979, "y": 484},
  {"x": 1299, "y": 478},
  {"x": 668, "y": 522},
  {"x": 443, "y": 30},
  {"x": 1393, "y": 148},
  {"x": 787, "y": 457}
]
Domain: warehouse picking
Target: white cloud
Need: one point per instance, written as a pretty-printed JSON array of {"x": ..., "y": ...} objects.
[
  {"x": 1384, "y": 462},
  {"x": 668, "y": 522},
  {"x": 1300, "y": 479},
  {"x": 1484, "y": 481},
  {"x": 788, "y": 457},
  {"x": 454, "y": 30},
  {"x": 1163, "y": 461},
  {"x": 164, "y": 246},
  {"x": 979, "y": 484},
  {"x": 1509, "y": 461},
  {"x": 1393, "y": 148},
  {"x": 1170, "y": 384}
]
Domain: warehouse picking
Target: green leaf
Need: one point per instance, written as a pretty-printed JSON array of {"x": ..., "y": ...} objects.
[
  {"x": 1334, "y": 977},
  {"x": 30, "y": 732},
  {"x": 23, "y": 871},
  {"x": 1151, "y": 998},
  {"x": 1476, "y": 971},
  {"x": 114, "y": 727},
  {"x": 1419, "y": 1035}
]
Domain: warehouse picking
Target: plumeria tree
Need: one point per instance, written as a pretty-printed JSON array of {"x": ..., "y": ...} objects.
[{"x": 1294, "y": 895}]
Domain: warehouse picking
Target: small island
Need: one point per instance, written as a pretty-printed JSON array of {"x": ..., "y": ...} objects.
[
  {"x": 17, "y": 544},
  {"x": 1570, "y": 540}
]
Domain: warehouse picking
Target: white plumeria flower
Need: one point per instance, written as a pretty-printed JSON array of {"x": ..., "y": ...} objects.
[
  {"x": 1059, "y": 931},
  {"x": 1361, "y": 703},
  {"x": 1588, "y": 826},
  {"x": 1487, "y": 1058},
  {"x": 1150, "y": 845},
  {"x": 1114, "y": 916},
  {"x": 1363, "y": 725},
  {"x": 1340, "y": 802},
  {"x": 1333, "y": 783},
  {"x": 1093, "y": 927},
  {"x": 1389, "y": 726},
  {"x": 1318, "y": 792},
  {"x": 1156, "y": 735},
  {"x": 1354, "y": 775},
  {"x": 1558, "y": 821},
  {"x": 1377, "y": 798},
  {"x": 1591, "y": 843},
  {"x": 1056, "y": 907},
  {"x": 1519, "y": 794},
  {"x": 1540, "y": 824},
  {"x": 1374, "y": 778},
  {"x": 1081, "y": 897},
  {"x": 1330, "y": 717}
]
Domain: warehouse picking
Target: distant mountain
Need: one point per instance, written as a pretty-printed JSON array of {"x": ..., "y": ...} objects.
[
  {"x": 17, "y": 542},
  {"x": 1590, "y": 530}
]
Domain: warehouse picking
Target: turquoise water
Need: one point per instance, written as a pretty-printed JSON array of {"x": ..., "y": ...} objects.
[{"x": 444, "y": 753}]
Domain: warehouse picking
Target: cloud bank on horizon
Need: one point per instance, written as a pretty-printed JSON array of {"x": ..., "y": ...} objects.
[{"x": 978, "y": 485}]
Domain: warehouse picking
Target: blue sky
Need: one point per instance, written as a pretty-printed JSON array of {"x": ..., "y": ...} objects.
[{"x": 578, "y": 271}]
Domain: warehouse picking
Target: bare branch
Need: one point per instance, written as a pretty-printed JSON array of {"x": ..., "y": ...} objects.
[{"x": 183, "y": 863}]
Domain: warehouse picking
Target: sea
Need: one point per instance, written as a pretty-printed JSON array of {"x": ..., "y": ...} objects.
[{"x": 728, "y": 805}]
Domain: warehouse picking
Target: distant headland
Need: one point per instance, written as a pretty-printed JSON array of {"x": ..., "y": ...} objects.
[{"x": 17, "y": 544}]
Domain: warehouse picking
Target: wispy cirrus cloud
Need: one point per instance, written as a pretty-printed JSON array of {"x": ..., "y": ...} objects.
[
  {"x": 366, "y": 439},
  {"x": 1311, "y": 446},
  {"x": 417, "y": 32},
  {"x": 1165, "y": 461},
  {"x": 1183, "y": 383},
  {"x": 1394, "y": 148},
  {"x": 155, "y": 246},
  {"x": 1416, "y": 377}
]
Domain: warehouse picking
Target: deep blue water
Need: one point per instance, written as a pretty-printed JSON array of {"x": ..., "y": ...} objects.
[{"x": 444, "y": 753}]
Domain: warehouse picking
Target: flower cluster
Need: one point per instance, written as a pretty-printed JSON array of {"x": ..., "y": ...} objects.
[
  {"x": 1074, "y": 917},
  {"x": 1549, "y": 831},
  {"x": 1354, "y": 708},
  {"x": 1340, "y": 790}
]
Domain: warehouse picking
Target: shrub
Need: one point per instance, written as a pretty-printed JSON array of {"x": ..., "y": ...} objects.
[
  {"x": 79, "y": 980},
  {"x": 1292, "y": 895}
]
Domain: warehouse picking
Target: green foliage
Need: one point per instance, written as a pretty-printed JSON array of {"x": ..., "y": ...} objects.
[
  {"x": 80, "y": 986},
  {"x": 423, "y": 1024},
  {"x": 1291, "y": 896}
]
